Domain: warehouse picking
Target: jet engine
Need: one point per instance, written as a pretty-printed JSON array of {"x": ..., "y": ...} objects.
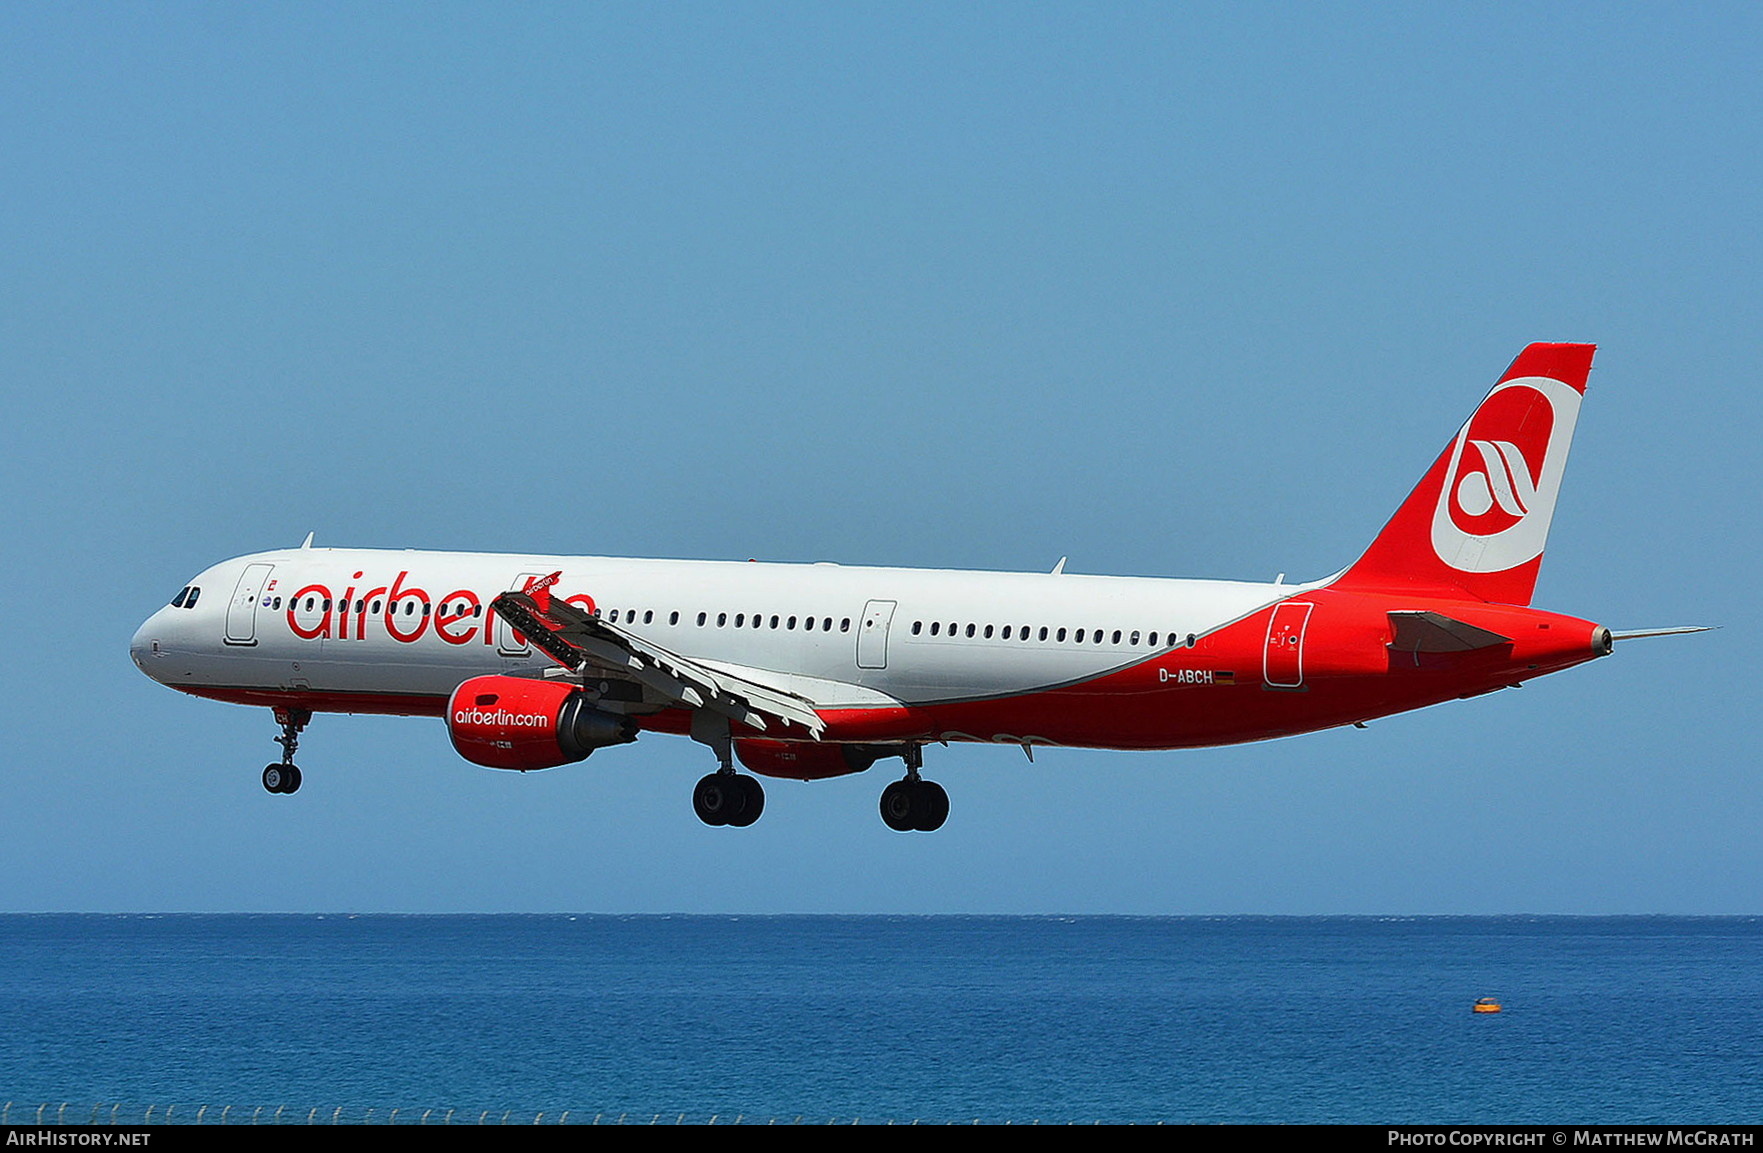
[{"x": 518, "y": 723}]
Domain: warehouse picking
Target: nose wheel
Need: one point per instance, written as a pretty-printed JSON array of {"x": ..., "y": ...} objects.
[
  {"x": 279, "y": 778},
  {"x": 284, "y": 777}
]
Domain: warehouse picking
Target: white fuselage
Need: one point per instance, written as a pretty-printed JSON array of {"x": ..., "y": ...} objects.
[{"x": 418, "y": 623}]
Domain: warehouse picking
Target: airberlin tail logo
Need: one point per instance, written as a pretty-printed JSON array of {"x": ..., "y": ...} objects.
[
  {"x": 1499, "y": 492},
  {"x": 1497, "y": 481}
]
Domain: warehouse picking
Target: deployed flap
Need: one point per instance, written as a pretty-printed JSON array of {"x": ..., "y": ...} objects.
[
  {"x": 1430, "y": 632},
  {"x": 580, "y": 641}
]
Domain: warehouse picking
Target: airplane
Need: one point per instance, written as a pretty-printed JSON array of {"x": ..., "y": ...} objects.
[{"x": 811, "y": 671}]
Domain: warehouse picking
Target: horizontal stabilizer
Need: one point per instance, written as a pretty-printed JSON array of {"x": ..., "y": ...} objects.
[
  {"x": 1637, "y": 634},
  {"x": 1430, "y": 632}
]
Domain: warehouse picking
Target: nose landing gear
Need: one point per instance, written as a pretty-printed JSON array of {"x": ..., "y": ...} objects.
[{"x": 284, "y": 777}]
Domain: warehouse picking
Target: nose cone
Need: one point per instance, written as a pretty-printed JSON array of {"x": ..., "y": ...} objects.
[{"x": 145, "y": 647}]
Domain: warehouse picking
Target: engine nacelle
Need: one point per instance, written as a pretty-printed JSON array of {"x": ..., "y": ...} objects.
[
  {"x": 518, "y": 723},
  {"x": 804, "y": 761}
]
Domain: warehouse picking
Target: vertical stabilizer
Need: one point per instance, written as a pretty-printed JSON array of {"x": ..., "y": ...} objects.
[{"x": 1477, "y": 521}]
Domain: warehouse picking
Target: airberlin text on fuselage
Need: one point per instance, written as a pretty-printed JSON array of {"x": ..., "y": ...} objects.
[{"x": 406, "y": 616}]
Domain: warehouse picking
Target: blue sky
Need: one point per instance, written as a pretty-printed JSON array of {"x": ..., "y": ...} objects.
[{"x": 1173, "y": 290}]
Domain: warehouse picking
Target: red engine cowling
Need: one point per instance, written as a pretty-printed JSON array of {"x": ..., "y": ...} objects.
[
  {"x": 802, "y": 761},
  {"x": 518, "y": 723}
]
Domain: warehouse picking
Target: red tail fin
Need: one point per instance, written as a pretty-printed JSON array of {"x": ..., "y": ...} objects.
[{"x": 1477, "y": 521}]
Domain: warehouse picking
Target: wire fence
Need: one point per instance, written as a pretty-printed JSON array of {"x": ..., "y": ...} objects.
[{"x": 123, "y": 1113}]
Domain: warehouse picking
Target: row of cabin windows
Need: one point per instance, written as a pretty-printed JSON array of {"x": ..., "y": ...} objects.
[
  {"x": 448, "y": 608},
  {"x": 1057, "y": 635},
  {"x": 187, "y": 599},
  {"x": 742, "y": 621}
]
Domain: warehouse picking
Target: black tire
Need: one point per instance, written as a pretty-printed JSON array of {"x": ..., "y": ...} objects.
[
  {"x": 896, "y": 806},
  {"x": 718, "y": 799},
  {"x": 275, "y": 778},
  {"x": 752, "y": 801},
  {"x": 293, "y": 781},
  {"x": 930, "y": 807}
]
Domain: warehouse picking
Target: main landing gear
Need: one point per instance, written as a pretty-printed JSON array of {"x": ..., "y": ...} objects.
[
  {"x": 913, "y": 804},
  {"x": 725, "y": 797},
  {"x": 285, "y": 776}
]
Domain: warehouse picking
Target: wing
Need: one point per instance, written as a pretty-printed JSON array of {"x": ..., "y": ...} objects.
[{"x": 582, "y": 642}]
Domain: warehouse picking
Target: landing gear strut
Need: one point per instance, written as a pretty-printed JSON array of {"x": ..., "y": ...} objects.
[
  {"x": 725, "y": 797},
  {"x": 913, "y": 804},
  {"x": 284, "y": 777}
]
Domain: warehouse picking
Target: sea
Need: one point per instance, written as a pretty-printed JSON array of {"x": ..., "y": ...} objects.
[{"x": 880, "y": 1019}]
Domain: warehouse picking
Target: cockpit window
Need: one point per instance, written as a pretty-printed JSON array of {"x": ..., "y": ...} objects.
[
  {"x": 194, "y": 593},
  {"x": 177, "y": 602}
]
